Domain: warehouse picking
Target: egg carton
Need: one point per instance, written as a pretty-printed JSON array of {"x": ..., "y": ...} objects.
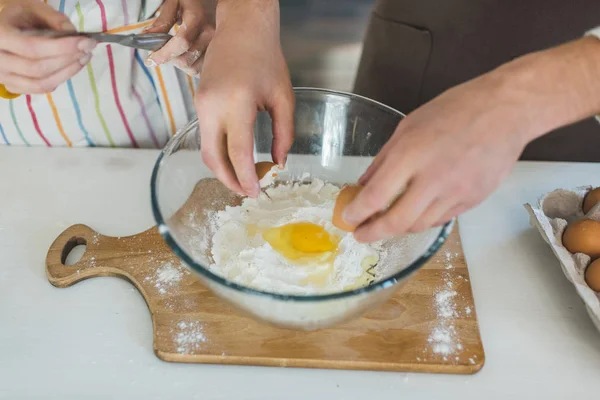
[{"x": 551, "y": 215}]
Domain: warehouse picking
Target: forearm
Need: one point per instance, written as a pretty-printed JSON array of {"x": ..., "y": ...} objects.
[{"x": 555, "y": 87}]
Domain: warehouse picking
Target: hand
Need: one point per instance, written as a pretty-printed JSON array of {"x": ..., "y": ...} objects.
[
  {"x": 450, "y": 154},
  {"x": 244, "y": 71},
  {"x": 197, "y": 27},
  {"x": 34, "y": 65}
]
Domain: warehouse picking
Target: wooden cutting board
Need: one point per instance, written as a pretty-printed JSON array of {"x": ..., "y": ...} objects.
[{"x": 429, "y": 325}]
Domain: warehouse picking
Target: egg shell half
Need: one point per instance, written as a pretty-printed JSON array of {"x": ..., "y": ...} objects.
[
  {"x": 345, "y": 197},
  {"x": 263, "y": 167},
  {"x": 266, "y": 172}
]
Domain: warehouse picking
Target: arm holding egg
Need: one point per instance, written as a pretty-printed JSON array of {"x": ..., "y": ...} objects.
[
  {"x": 452, "y": 152},
  {"x": 244, "y": 71}
]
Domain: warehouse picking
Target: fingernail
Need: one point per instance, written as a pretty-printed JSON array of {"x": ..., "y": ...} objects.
[
  {"x": 284, "y": 162},
  {"x": 349, "y": 218},
  {"x": 150, "y": 63},
  {"x": 87, "y": 45},
  {"x": 85, "y": 59},
  {"x": 68, "y": 27}
]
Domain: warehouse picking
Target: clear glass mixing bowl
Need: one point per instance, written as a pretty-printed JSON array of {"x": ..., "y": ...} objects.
[{"x": 336, "y": 137}]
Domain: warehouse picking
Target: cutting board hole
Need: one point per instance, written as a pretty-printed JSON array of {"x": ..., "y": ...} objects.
[{"x": 73, "y": 251}]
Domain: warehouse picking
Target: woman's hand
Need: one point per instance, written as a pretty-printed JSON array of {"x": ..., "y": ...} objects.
[
  {"x": 34, "y": 65},
  {"x": 196, "y": 19},
  {"x": 450, "y": 154},
  {"x": 244, "y": 71}
]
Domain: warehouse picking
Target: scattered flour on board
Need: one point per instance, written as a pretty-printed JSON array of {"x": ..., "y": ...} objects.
[
  {"x": 188, "y": 337},
  {"x": 167, "y": 276},
  {"x": 443, "y": 338}
]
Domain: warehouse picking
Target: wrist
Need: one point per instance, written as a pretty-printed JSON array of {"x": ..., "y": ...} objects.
[
  {"x": 244, "y": 9},
  {"x": 553, "y": 88}
]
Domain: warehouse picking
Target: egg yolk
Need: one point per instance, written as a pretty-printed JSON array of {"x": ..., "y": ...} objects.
[{"x": 300, "y": 240}]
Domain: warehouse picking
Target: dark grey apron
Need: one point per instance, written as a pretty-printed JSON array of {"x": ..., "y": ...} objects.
[{"x": 416, "y": 49}]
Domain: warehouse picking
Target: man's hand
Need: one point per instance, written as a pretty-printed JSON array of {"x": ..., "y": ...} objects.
[{"x": 451, "y": 153}]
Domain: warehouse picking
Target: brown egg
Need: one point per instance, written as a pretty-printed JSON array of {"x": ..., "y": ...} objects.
[
  {"x": 592, "y": 276},
  {"x": 345, "y": 197},
  {"x": 262, "y": 168},
  {"x": 591, "y": 199},
  {"x": 583, "y": 236}
]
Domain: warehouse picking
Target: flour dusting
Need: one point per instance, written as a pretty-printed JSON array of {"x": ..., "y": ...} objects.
[
  {"x": 189, "y": 337},
  {"x": 167, "y": 277},
  {"x": 443, "y": 338}
]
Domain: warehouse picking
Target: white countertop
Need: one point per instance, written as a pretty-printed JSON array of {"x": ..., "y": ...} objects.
[{"x": 94, "y": 340}]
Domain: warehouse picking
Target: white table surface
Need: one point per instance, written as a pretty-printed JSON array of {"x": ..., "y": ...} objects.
[{"x": 94, "y": 340}]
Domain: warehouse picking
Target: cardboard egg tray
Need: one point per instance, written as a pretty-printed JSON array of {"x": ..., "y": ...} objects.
[{"x": 551, "y": 215}]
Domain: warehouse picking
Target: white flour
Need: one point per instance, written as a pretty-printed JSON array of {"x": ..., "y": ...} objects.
[
  {"x": 189, "y": 337},
  {"x": 240, "y": 253},
  {"x": 167, "y": 276},
  {"x": 442, "y": 338}
]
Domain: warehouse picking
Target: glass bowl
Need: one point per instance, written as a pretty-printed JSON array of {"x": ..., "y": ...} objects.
[{"x": 336, "y": 137}]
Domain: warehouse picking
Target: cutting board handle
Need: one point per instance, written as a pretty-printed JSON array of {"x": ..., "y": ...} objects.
[
  {"x": 62, "y": 275},
  {"x": 122, "y": 257}
]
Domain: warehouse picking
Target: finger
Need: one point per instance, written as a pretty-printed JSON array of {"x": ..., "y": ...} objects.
[
  {"x": 240, "y": 147},
  {"x": 39, "y": 16},
  {"x": 166, "y": 19},
  {"x": 400, "y": 216},
  {"x": 48, "y": 17},
  {"x": 436, "y": 210},
  {"x": 452, "y": 213},
  {"x": 282, "y": 114},
  {"x": 190, "y": 30},
  {"x": 24, "y": 85},
  {"x": 188, "y": 62},
  {"x": 385, "y": 185},
  {"x": 36, "y": 47},
  {"x": 213, "y": 144},
  {"x": 364, "y": 179},
  {"x": 214, "y": 154},
  {"x": 13, "y": 64},
  {"x": 381, "y": 156}
]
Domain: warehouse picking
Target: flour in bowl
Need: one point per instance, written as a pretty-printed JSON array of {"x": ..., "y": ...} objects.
[{"x": 284, "y": 242}]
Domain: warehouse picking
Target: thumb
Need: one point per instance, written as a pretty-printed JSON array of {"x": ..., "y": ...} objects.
[
  {"x": 48, "y": 17},
  {"x": 38, "y": 16},
  {"x": 282, "y": 114}
]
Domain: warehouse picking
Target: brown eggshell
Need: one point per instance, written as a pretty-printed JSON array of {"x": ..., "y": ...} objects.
[
  {"x": 583, "y": 236},
  {"x": 592, "y": 276},
  {"x": 591, "y": 199},
  {"x": 345, "y": 197},
  {"x": 262, "y": 168}
]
